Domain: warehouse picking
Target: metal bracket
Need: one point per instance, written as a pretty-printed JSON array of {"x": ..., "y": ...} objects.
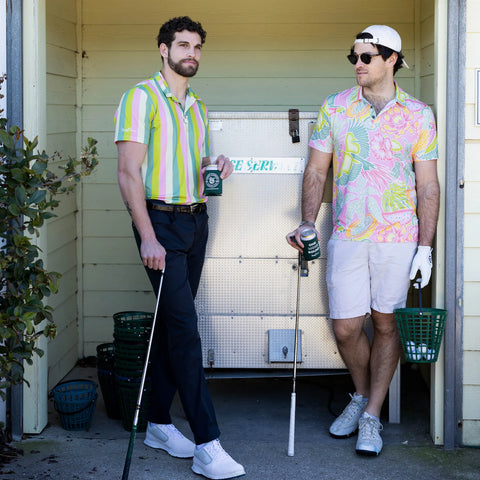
[
  {"x": 293, "y": 125},
  {"x": 211, "y": 357},
  {"x": 303, "y": 267}
]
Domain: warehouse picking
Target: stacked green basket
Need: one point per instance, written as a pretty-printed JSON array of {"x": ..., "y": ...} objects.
[
  {"x": 131, "y": 336},
  {"x": 106, "y": 378}
]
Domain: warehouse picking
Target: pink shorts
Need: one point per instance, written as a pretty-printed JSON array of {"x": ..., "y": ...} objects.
[{"x": 362, "y": 276}]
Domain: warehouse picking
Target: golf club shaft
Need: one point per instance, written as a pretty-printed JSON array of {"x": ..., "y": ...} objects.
[
  {"x": 297, "y": 321},
  {"x": 293, "y": 400},
  {"x": 420, "y": 296},
  {"x": 133, "y": 433}
]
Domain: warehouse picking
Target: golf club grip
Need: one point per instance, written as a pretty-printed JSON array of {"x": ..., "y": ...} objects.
[
  {"x": 291, "y": 432},
  {"x": 126, "y": 469},
  {"x": 128, "y": 460}
]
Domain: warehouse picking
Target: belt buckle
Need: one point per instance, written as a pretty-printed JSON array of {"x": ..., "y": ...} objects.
[{"x": 194, "y": 208}]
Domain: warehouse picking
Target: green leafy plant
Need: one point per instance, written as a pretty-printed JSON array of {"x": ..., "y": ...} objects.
[{"x": 28, "y": 197}]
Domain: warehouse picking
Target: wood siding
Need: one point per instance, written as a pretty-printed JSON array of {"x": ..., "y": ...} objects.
[
  {"x": 281, "y": 57},
  {"x": 471, "y": 331},
  {"x": 61, "y": 59}
]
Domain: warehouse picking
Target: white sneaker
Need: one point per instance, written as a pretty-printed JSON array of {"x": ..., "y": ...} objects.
[
  {"x": 212, "y": 461},
  {"x": 369, "y": 440},
  {"x": 346, "y": 424},
  {"x": 168, "y": 438}
]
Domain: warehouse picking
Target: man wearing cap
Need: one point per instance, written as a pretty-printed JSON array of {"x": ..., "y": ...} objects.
[{"x": 382, "y": 145}]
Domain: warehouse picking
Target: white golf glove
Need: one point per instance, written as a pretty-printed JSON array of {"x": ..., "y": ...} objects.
[{"x": 422, "y": 261}]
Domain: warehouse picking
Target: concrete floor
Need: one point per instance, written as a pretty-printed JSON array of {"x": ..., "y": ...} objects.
[{"x": 253, "y": 415}]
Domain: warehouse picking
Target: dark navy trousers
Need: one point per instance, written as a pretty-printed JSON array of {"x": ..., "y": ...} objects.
[{"x": 176, "y": 353}]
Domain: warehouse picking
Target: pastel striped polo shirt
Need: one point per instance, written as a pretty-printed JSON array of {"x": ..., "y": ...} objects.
[{"x": 177, "y": 139}]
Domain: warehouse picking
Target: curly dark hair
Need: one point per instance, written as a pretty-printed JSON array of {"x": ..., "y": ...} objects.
[
  {"x": 168, "y": 30},
  {"x": 385, "y": 52}
]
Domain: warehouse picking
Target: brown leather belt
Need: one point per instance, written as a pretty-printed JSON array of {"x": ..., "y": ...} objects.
[{"x": 192, "y": 209}]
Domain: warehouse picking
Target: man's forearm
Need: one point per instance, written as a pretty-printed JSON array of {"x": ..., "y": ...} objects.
[
  {"x": 428, "y": 201},
  {"x": 312, "y": 193},
  {"x": 133, "y": 195}
]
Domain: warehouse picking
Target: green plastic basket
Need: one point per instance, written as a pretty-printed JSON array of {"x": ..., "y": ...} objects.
[
  {"x": 106, "y": 378},
  {"x": 128, "y": 352},
  {"x": 421, "y": 332},
  {"x": 129, "y": 368},
  {"x": 105, "y": 355},
  {"x": 132, "y": 335},
  {"x": 132, "y": 326},
  {"x": 75, "y": 402},
  {"x": 127, "y": 390}
]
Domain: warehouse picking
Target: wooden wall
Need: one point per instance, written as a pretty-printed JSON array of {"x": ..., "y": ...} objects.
[
  {"x": 425, "y": 53},
  {"x": 259, "y": 56},
  {"x": 61, "y": 60},
  {"x": 471, "y": 330}
]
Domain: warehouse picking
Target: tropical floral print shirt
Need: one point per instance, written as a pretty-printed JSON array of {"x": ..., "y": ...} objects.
[{"x": 374, "y": 196}]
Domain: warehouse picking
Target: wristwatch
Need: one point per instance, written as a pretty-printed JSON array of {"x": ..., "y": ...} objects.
[{"x": 307, "y": 222}]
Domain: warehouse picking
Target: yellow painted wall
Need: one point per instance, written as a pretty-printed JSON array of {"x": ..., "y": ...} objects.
[
  {"x": 61, "y": 58},
  {"x": 471, "y": 331}
]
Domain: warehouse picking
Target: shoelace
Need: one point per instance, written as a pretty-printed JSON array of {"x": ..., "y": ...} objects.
[
  {"x": 173, "y": 430},
  {"x": 352, "y": 409},
  {"x": 369, "y": 428},
  {"x": 217, "y": 450}
]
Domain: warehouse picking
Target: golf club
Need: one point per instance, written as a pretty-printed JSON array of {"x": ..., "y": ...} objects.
[
  {"x": 417, "y": 285},
  {"x": 128, "y": 458},
  {"x": 293, "y": 400}
]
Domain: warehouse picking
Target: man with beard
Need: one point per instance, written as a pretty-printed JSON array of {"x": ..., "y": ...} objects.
[
  {"x": 163, "y": 148},
  {"x": 382, "y": 144}
]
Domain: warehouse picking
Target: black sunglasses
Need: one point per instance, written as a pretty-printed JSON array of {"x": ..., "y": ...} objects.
[{"x": 366, "y": 58}]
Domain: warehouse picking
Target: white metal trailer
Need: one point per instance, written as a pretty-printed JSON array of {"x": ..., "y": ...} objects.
[{"x": 247, "y": 298}]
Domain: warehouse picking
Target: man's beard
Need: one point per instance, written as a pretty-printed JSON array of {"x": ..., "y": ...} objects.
[{"x": 181, "y": 69}]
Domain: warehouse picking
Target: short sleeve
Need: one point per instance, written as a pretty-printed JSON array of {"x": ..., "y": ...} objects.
[
  {"x": 321, "y": 138},
  {"x": 426, "y": 147},
  {"x": 134, "y": 116}
]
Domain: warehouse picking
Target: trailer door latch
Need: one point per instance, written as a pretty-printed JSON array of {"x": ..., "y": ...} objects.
[
  {"x": 293, "y": 125},
  {"x": 211, "y": 357}
]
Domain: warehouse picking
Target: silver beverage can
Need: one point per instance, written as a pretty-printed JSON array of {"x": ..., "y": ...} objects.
[{"x": 311, "y": 247}]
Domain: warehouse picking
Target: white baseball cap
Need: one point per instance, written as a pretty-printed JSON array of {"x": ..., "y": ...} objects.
[{"x": 383, "y": 35}]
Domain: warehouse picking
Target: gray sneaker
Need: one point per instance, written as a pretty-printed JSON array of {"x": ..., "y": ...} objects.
[
  {"x": 369, "y": 440},
  {"x": 168, "y": 438},
  {"x": 212, "y": 461},
  {"x": 346, "y": 424}
]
